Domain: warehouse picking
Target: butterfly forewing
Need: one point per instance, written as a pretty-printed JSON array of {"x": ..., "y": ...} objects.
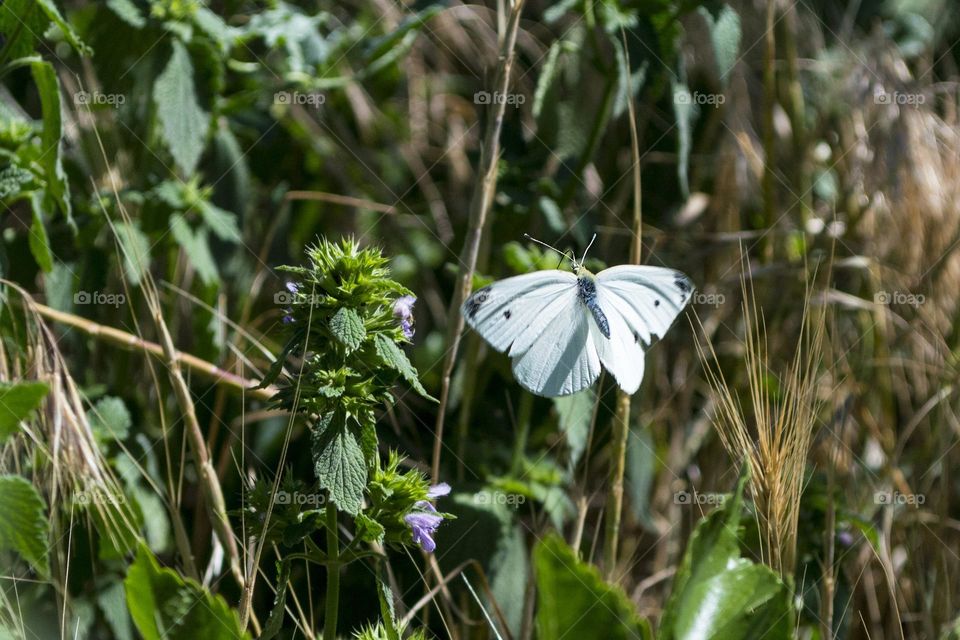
[{"x": 563, "y": 360}]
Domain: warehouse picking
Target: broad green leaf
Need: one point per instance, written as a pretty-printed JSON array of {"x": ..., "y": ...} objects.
[
  {"x": 109, "y": 419},
  {"x": 196, "y": 247},
  {"x": 339, "y": 465},
  {"x": 576, "y": 412},
  {"x": 127, "y": 11},
  {"x": 164, "y": 604},
  {"x": 135, "y": 249},
  {"x": 640, "y": 472},
  {"x": 222, "y": 223},
  {"x": 16, "y": 403},
  {"x": 275, "y": 620},
  {"x": 24, "y": 527},
  {"x": 724, "y": 24},
  {"x": 22, "y": 22},
  {"x": 53, "y": 14},
  {"x": 112, "y": 602},
  {"x": 685, "y": 111},
  {"x": 38, "y": 240},
  {"x": 347, "y": 327},
  {"x": 575, "y": 602},
  {"x": 50, "y": 148},
  {"x": 394, "y": 357},
  {"x": 183, "y": 124}
]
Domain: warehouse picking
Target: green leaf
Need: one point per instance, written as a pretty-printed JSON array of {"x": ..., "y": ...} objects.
[
  {"x": 50, "y": 148},
  {"x": 114, "y": 606},
  {"x": 575, "y": 602},
  {"x": 385, "y": 49},
  {"x": 547, "y": 75},
  {"x": 576, "y": 412},
  {"x": 135, "y": 248},
  {"x": 275, "y": 620},
  {"x": 196, "y": 247},
  {"x": 23, "y": 522},
  {"x": 347, "y": 327},
  {"x": 641, "y": 470},
  {"x": 718, "y": 594},
  {"x": 53, "y": 14},
  {"x": 685, "y": 111},
  {"x": 21, "y": 22},
  {"x": 109, "y": 419},
  {"x": 127, "y": 11},
  {"x": 394, "y": 357},
  {"x": 724, "y": 24},
  {"x": 38, "y": 240},
  {"x": 16, "y": 403},
  {"x": 339, "y": 465},
  {"x": 222, "y": 223},
  {"x": 164, "y": 604},
  {"x": 12, "y": 180},
  {"x": 183, "y": 123}
]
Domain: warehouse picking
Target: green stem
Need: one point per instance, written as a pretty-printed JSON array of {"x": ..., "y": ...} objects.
[{"x": 333, "y": 575}]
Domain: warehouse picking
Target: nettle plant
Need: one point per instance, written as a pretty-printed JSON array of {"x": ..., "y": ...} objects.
[{"x": 348, "y": 323}]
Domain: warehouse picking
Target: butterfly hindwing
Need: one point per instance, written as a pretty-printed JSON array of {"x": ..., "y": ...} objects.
[{"x": 563, "y": 359}]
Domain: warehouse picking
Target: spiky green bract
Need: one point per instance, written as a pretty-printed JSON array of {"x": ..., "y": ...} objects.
[
  {"x": 345, "y": 357},
  {"x": 380, "y": 632},
  {"x": 392, "y": 495}
]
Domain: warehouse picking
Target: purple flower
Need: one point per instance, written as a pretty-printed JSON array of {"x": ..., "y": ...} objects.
[
  {"x": 287, "y": 319},
  {"x": 292, "y": 287},
  {"x": 403, "y": 309},
  {"x": 424, "y": 520}
]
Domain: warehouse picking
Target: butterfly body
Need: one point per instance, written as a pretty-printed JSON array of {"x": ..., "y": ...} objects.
[{"x": 560, "y": 327}]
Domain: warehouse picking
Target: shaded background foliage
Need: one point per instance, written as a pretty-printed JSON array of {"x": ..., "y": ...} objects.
[{"x": 236, "y": 133}]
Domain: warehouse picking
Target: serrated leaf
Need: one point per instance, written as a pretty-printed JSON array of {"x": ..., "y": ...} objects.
[
  {"x": 11, "y": 180},
  {"x": 109, "y": 419},
  {"x": 196, "y": 248},
  {"x": 575, "y": 602},
  {"x": 576, "y": 412},
  {"x": 275, "y": 620},
  {"x": 16, "y": 403},
  {"x": 48, "y": 87},
  {"x": 222, "y": 223},
  {"x": 53, "y": 14},
  {"x": 339, "y": 465},
  {"x": 183, "y": 123},
  {"x": 164, "y": 604},
  {"x": 24, "y": 527},
  {"x": 135, "y": 249},
  {"x": 394, "y": 357},
  {"x": 725, "y": 33},
  {"x": 114, "y": 606},
  {"x": 127, "y": 11},
  {"x": 38, "y": 240},
  {"x": 347, "y": 327}
]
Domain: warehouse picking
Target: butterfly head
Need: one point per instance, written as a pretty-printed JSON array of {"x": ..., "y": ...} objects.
[{"x": 576, "y": 265}]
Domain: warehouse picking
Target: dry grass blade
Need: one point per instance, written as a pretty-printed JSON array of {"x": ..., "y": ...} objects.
[{"x": 774, "y": 432}]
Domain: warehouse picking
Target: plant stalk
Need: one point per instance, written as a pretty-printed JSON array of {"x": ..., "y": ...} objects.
[{"x": 333, "y": 575}]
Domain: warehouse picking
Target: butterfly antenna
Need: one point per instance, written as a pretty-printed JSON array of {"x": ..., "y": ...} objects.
[
  {"x": 588, "y": 248},
  {"x": 552, "y": 248}
]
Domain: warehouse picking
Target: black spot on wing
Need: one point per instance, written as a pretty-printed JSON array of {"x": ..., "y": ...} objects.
[
  {"x": 507, "y": 314},
  {"x": 636, "y": 337},
  {"x": 656, "y": 302},
  {"x": 475, "y": 301},
  {"x": 684, "y": 285}
]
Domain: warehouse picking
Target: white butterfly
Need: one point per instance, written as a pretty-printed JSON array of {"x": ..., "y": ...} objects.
[{"x": 559, "y": 327}]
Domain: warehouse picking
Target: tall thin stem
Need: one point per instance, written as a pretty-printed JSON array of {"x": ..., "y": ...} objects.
[
  {"x": 480, "y": 206},
  {"x": 333, "y": 575}
]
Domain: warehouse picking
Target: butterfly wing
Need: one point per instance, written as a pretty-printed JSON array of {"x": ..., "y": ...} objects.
[
  {"x": 640, "y": 304},
  {"x": 538, "y": 320}
]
